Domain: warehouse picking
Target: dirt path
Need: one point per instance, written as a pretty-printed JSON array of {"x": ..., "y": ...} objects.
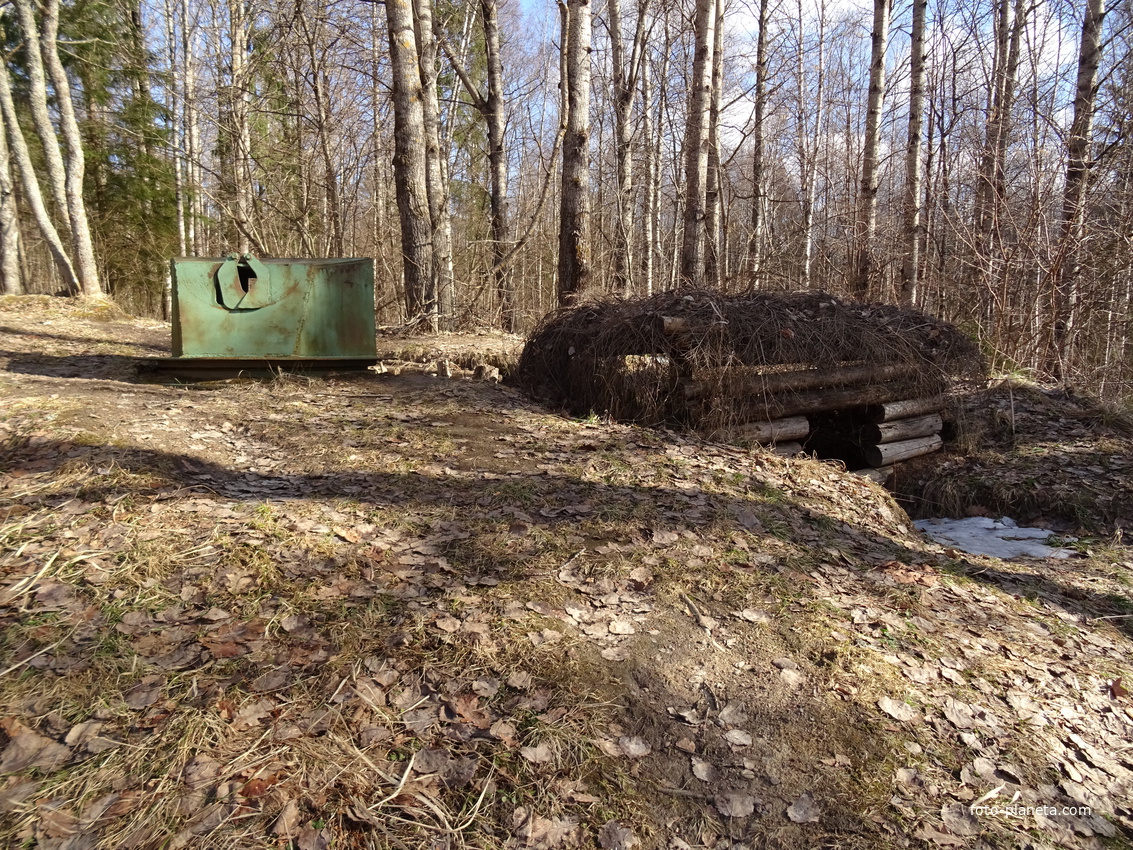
[{"x": 402, "y": 609}]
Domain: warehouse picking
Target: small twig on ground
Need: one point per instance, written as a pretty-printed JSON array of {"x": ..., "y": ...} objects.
[
  {"x": 681, "y": 792},
  {"x": 43, "y": 651}
]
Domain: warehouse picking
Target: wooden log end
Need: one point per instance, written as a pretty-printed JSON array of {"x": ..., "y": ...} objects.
[
  {"x": 889, "y": 453},
  {"x": 888, "y": 411}
]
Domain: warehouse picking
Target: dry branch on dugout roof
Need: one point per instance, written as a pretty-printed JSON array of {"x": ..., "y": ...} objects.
[{"x": 698, "y": 359}]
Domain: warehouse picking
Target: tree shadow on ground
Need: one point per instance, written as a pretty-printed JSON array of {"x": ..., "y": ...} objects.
[
  {"x": 117, "y": 367},
  {"x": 557, "y": 503},
  {"x": 558, "y": 506},
  {"x": 159, "y": 347}
]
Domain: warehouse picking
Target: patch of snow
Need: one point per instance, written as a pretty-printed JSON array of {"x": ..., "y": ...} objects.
[{"x": 999, "y": 538}]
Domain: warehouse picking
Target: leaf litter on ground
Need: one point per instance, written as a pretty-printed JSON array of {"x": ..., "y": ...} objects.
[{"x": 327, "y": 640}]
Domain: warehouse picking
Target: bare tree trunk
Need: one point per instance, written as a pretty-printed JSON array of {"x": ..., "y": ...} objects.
[
  {"x": 32, "y": 194},
  {"x": 409, "y": 166},
  {"x": 911, "y": 264},
  {"x": 317, "y": 76},
  {"x": 11, "y": 275},
  {"x": 436, "y": 166},
  {"x": 652, "y": 139},
  {"x": 496, "y": 121},
  {"x": 1066, "y": 306},
  {"x": 176, "y": 153},
  {"x": 991, "y": 180},
  {"x": 625, "y": 88},
  {"x": 491, "y": 105},
  {"x": 241, "y": 133},
  {"x": 867, "y": 206},
  {"x": 82, "y": 245},
  {"x": 713, "y": 216},
  {"x": 758, "y": 218},
  {"x": 574, "y": 214},
  {"x": 808, "y": 130},
  {"x": 40, "y": 116},
  {"x": 697, "y": 143},
  {"x": 187, "y": 73}
]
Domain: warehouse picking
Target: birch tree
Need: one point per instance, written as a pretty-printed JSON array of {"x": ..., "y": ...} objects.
[
  {"x": 866, "y": 229},
  {"x": 758, "y": 198},
  {"x": 697, "y": 142},
  {"x": 82, "y": 245},
  {"x": 574, "y": 209},
  {"x": 626, "y": 71},
  {"x": 436, "y": 164},
  {"x": 33, "y": 195},
  {"x": 714, "y": 245},
  {"x": 409, "y": 164},
  {"x": 910, "y": 266},
  {"x": 11, "y": 278},
  {"x": 1078, "y": 165},
  {"x": 491, "y": 106}
]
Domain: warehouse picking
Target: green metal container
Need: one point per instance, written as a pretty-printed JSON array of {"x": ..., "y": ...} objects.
[{"x": 273, "y": 310}]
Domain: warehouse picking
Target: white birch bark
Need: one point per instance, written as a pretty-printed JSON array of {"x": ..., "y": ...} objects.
[
  {"x": 574, "y": 212},
  {"x": 910, "y": 267},
  {"x": 758, "y": 214},
  {"x": 1077, "y": 182},
  {"x": 11, "y": 278},
  {"x": 697, "y": 142},
  {"x": 240, "y": 131},
  {"x": 713, "y": 202},
  {"x": 32, "y": 193},
  {"x": 436, "y": 166},
  {"x": 409, "y": 166},
  {"x": 38, "y": 99},
  {"x": 82, "y": 245},
  {"x": 866, "y": 229}
]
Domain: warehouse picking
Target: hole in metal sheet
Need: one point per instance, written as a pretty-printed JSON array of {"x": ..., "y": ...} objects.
[{"x": 247, "y": 277}]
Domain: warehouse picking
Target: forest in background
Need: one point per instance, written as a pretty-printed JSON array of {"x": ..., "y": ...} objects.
[{"x": 498, "y": 159}]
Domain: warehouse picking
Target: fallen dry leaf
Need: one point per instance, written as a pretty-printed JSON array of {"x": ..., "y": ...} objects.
[
  {"x": 28, "y": 748},
  {"x": 897, "y": 710},
  {"x": 804, "y": 810},
  {"x": 504, "y": 731},
  {"x": 738, "y": 738},
  {"x": 734, "y": 805},
  {"x": 959, "y": 714},
  {"x": 311, "y": 838},
  {"x": 614, "y": 836},
  {"x": 634, "y": 747},
  {"x": 273, "y": 680},
  {"x": 145, "y": 693},
  {"x": 287, "y": 824},
  {"x": 703, "y": 770},
  {"x": 959, "y": 819},
  {"x": 258, "y": 787},
  {"x": 540, "y": 754},
  {"x": 929, "y": 833},
  {"x": 89, "y": 737},
  {"x": 540, "y": 833}
]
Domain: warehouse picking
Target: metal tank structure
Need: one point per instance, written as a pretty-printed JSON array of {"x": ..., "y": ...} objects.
[{"x": 242, "y": 314}]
